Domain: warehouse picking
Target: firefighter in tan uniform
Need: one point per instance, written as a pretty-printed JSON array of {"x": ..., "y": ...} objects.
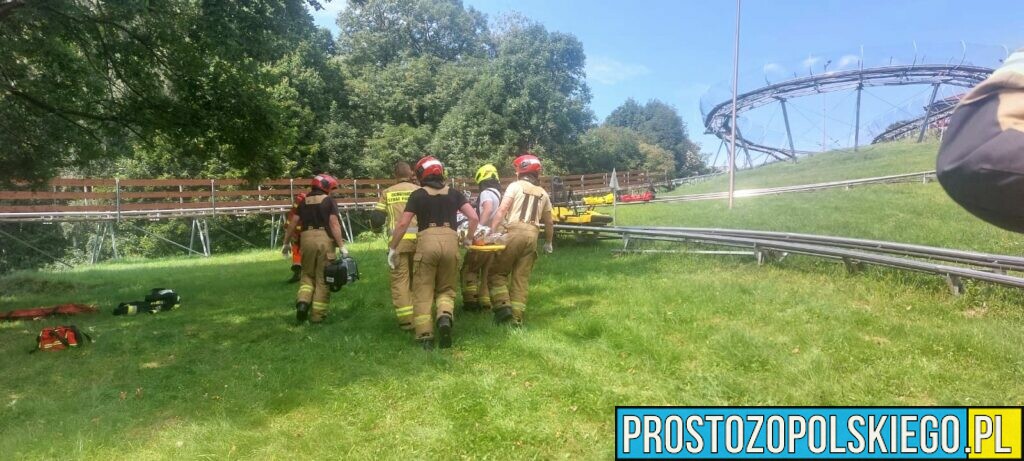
[
  {"x": 475, "y": 293},
  {"x": 321, "y": 235},
  {"x": 436, "y": 262},
  {"x": 393, "y": 202},
  {"x": 524, "y": 206}
]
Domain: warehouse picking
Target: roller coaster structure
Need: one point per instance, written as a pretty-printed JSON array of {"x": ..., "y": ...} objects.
[{"x": 716, "y": 121}]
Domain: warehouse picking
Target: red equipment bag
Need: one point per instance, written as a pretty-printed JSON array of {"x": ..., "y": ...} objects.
[
  {"x": 60, "y": 338},
  {"x": 40, "y": 312}
]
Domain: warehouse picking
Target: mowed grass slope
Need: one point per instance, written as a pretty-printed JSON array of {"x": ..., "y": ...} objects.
[
  {"x": 230, "y": 376},
  {"x": 869, "y": 161}
]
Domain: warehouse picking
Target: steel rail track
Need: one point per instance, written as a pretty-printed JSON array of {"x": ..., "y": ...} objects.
[
  {"x": 891, "y": 179},
  {"x": 852, "y": 257},
  {"x": 986, "y": 260}
]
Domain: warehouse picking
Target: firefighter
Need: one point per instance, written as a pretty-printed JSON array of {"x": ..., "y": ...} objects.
[
  {"x": 321, "y": 236},
  {"x": 475, "y": 294},
  {"x": 981, "y": 160},
  {"x": 436, "y": 262},
  {"x": 292, "y": 247},
  {"x": 524, "y": 206},
  {"x": 392, "y": 202}
]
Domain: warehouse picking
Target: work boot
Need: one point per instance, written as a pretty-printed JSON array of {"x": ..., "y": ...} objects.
[
  {"x": 503, "y": 314},
  {"x": 444, "y": 331},
  {"x": 470, "y": 306},
  {"x": 301, "y": 311},
  {"x": 296, "y": 273},
  {"x": 426, "y": 344}
]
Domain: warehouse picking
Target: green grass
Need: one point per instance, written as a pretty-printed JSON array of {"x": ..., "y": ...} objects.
[
  {"x": 228, "y": 376},
  {"x": 870, "y": 161}
]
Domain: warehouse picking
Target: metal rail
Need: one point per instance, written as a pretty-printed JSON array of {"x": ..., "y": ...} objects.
[
  {"x": 851, "y": 257},
  {"x": 899, "y": 178},
  {"x": 986, "y": 260}
]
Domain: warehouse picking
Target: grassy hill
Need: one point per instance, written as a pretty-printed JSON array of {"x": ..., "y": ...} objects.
[
  {"x": 869, "y": 161},
  {"x": 229, "y": 376}
]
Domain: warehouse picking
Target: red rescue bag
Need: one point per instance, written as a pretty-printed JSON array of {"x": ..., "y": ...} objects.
[{"x": 60, "y": 338}]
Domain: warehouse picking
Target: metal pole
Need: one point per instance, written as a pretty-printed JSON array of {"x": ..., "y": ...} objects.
[
  {"x": 856, "y": 125},
  {"x": 735, "y": 84},
  {"x": 789, "y": 134},
  {"x": 928, "y": 112}
]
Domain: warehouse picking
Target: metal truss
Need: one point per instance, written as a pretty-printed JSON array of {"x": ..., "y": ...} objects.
[{"x": 717, "y": 119}]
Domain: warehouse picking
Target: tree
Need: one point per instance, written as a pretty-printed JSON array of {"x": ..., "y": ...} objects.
[
  {"x": 378, "y": 33},
  {"x": 532, "y": 96},
  {"x": 88, "y": 81},
  {"x": 607, "y": 147},
  {"x": 659, "y": 124}
]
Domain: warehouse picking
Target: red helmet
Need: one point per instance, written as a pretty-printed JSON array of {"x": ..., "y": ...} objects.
[
  {"x": 526, "y": 163},
  {"x": 325, "y": 182},
  {"x": 429, "y": 166}
]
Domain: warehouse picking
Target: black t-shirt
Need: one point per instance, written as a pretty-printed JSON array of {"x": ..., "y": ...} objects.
[
  {"x": 317, "y": 210},
  {"x": 435, "y": 210}
]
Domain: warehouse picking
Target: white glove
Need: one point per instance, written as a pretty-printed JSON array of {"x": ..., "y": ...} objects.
[
  {"x": 548, "y": 248},
  {"x": 344, "y": 251},
  {"x": 392, "y": 258},
  {"x": 286, "y": 250}
]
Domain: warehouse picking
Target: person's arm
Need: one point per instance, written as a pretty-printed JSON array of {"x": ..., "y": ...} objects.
[
  {"x": 400, "y": 227},
  {"x": 470, "y": 214},
  {"x": 499, "y": 216},
  {"x": 289, "y": 234},
  {"x": 485, "y": 209}
]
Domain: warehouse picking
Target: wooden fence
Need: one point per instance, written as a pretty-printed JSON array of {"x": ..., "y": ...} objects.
[{"x": 70, "y": 198}]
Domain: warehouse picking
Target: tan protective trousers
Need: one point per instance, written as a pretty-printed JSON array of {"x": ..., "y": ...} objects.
[
  {"x": 401, "y": 284},
  {"x": 317, "y": 252},
  {"x": 434, "y": 277},
  {"x": 474, "y": 278},
  {"x": 509, "y": 273}
]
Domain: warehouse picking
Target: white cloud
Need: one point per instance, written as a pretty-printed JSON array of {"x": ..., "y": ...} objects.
[
  {"x": 774, "y": 68},
  {"x": 810, "y": 62},
  {"x": 850, "y": 60},
  {"x": 608, "y": 71}
]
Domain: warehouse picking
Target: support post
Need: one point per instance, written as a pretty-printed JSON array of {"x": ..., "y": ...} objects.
[
  {"x": 956, "y": 286},
  {"x": 789, "y": 133},
  {"x": 856, "y": 124},
  {"x": 928, "y": 112},
  {"x": 746, "y": 152},
  {"x": 717, "y": 153}
]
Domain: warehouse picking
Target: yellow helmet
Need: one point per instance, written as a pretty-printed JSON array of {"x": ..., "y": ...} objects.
[{"x": 486, "y": 172}]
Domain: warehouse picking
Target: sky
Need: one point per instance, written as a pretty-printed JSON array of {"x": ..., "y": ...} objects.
[{"x": 678, "y": 50}]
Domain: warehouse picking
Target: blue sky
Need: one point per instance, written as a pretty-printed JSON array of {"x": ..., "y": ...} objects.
[{"x": 676, "y": 50}]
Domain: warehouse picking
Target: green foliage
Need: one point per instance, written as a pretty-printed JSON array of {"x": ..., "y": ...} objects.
[
  {"x": 607, "y": 147},
  {"x": 202, "y": 82},
  {"x": 659, "y": 124}
]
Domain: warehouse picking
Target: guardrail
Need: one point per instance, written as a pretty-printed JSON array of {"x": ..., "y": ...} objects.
[{"x": 852, "y": 252}]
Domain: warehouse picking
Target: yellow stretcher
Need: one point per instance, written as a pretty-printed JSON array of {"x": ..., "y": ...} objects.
[
  {"x": 607, "y": 199},
  {"x": 486, "y": 248}
]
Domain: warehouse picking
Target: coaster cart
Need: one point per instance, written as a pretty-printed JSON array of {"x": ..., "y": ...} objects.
[
  {"x": 566, "y": 209},
  {"x": 638, "y": 195}
]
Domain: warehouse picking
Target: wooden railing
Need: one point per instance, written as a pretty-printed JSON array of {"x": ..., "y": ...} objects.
[{"x": 72, "y": 198}]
